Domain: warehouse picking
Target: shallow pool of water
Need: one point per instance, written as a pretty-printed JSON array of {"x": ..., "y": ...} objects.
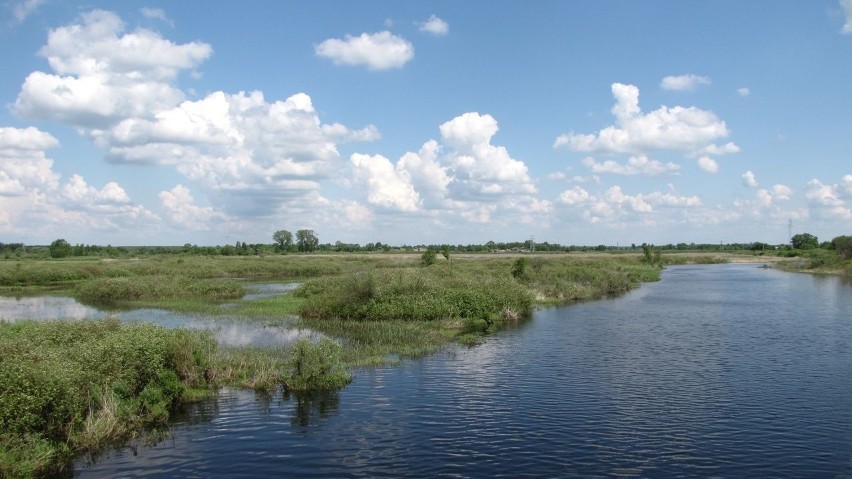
[{"x": 228, "y": 330}]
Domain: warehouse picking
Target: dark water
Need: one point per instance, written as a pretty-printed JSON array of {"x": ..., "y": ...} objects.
[{"x": 726, "y": 371}]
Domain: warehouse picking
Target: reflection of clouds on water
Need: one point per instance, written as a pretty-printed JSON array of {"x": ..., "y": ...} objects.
[
  {"x": 45, "y": 308},
  {"x": 266, "y": 290},
  {"x": 228, "y": 331},
  {"x": 231, "y": 334}
]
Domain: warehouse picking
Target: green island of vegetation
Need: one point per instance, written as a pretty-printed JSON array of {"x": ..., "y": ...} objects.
[{"x": 72, "y": 387}]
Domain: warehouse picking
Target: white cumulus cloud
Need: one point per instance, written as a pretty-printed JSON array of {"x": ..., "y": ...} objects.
[
  {"x": 33, "y": 200},
  {"x": 708, "y": 164},
  {"x": 388, "y": 186},
  {"x": 463, "y": 177},
  {"x": 684, "y": 82},
  {"x": 743, "y": 91},
  {"x": 435, "y": 26},
  {"x": 690, "y": 130},
  {"x": 102, "y": 74},
  {"x": 831, "y": 201},
  {"x": 184, "y": 213},
  {"x": 749, "y": 179},
  {"x": 376, "y": 51}
]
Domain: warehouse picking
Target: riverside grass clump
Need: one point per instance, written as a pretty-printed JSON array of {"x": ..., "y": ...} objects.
[
  {"x": 160, "y": 287},
  {"x": 69, "y": 387},
  {"x": 415, "y": 294}
]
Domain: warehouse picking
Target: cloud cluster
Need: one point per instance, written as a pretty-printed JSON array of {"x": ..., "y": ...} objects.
[
  {"x": 464, "y": 175},
  {"x": 119, "y": 88},
  {"x": 831, "y": 201},
  {"x": 376, "y": 51},
  {"x": 33, "y": 199},
  {"x": 689, "y": 130},
  {"x": 102, "y": 75},
  {"x": 613, "y": 205}
]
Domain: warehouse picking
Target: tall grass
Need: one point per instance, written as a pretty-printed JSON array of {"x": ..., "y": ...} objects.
[
  {"x": 416, "y": 293},
  {"x": 161, "y": 287}
]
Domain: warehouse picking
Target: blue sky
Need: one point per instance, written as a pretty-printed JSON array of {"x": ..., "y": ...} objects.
[{"x": 577, "y": 122}]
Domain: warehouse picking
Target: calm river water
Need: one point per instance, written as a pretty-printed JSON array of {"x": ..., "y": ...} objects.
[{"x": 727, "y": 370}]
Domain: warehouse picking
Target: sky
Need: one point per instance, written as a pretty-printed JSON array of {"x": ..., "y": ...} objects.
[{"x": 574, "y": 122}]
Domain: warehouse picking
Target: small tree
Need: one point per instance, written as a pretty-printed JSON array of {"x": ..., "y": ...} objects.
[
  {"x": 283, "y": 239},
  {"x": 804, "y": 241},
  {"x": 60, "y": 249}
]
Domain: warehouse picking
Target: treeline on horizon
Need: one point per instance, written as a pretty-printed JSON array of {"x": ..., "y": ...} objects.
[{"x": 60, "y": 248}]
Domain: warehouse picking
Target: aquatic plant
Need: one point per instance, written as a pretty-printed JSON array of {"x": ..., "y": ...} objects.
[{"x": 316, "y": 366}]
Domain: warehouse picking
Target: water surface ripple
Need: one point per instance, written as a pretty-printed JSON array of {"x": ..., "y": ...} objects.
[{"x": 719, "y": 371}]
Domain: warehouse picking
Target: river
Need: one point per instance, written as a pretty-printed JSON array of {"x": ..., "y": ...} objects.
[{"x": 723, "y": 370}]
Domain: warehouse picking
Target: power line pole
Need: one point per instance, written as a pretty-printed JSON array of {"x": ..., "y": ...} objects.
[{"x": 790, "y": 231}]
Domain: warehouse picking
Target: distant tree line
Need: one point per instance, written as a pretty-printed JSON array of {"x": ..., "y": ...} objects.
[{"x": 307, "y": 241}]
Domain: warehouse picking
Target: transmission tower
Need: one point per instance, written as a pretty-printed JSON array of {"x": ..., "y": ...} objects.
[{"x": 790, "y": 231}]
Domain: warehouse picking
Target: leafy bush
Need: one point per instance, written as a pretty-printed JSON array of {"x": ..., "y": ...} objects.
[
  {"x": 429, "y": 257},
  {"x": 316, "y": 366},
  {"x": 843, "y": 246},
  {"x": 70, "y": 386},
  {"x": 519, "y": 268}
]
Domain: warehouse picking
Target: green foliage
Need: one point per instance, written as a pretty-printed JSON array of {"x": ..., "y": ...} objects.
[
  {"x": 283, "y": 240},
  {"x": 316, "y": 366},
  {"x": 424, "y": 294},
  {"x": 843, "y": 246},
  {"x": 519, "y": 268},
  {"x": 60, "y": 249},
  {"x": 428, "y": 257},
  {"x": 651, "y": 256},
  {"x": 117, "y": 290},
  {"x": 307, "y": 240},
  {"x": 71, "y": 386},
  {"x": 804, "y": 241}
]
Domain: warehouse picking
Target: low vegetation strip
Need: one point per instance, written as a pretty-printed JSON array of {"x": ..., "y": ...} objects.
[{"x": 159, "y": 287}]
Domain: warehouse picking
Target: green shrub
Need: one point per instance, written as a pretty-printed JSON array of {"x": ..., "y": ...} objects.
[
  {"x": 316, "y": 366},
  {"x": 70, "y": 386},
  {"x": 519, "y": 268}
]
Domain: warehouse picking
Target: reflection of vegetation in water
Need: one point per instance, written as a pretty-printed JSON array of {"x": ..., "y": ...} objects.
[{"x": 312, "y": 405}]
